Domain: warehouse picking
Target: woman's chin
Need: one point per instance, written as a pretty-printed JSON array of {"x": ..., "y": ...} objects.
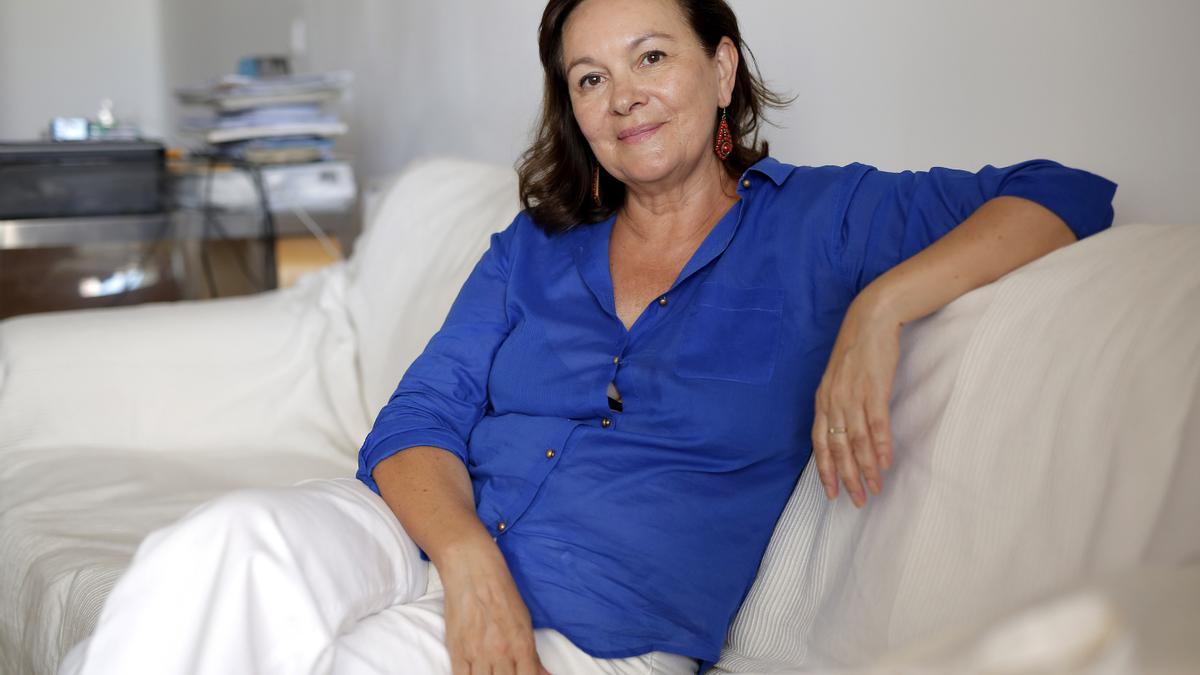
[{"x": 648, "y": 170}]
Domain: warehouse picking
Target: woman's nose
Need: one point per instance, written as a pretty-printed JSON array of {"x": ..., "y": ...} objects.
[{"x": 627, "y": 96}]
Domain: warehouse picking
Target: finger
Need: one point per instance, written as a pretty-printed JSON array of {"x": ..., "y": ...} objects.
[
  {"x": 537, "y": 662},
  {"x": 459, "y": 665},
  {"x": 529, "y": 665},
  {"x": 826, "y": 468},
  {"x": 504, "y": 666},
  {"x": 863, "y": 448},
  {"x": 847, "y": 468},
  {"x": 880, "y": 423},
  {"x": 497, "y": 656},
  {"x": 525, "y": 659}
]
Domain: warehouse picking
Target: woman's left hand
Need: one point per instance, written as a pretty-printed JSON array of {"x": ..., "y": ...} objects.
[{"x": 852, "y": 401}]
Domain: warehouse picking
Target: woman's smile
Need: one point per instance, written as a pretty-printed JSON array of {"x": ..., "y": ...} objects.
[{"x": 639, "y": 133}]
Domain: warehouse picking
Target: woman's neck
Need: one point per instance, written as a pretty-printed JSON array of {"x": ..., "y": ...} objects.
[{"x": 681, "y": 212}]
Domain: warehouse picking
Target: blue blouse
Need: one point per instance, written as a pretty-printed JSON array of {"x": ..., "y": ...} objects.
[{"x": 642, "y": 530}]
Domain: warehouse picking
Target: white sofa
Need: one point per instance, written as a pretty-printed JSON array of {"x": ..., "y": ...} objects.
[{"x": 1047, "y": 427}]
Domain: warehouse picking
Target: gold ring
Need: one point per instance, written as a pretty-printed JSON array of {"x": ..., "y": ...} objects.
[{"x": 837, "y": 430}]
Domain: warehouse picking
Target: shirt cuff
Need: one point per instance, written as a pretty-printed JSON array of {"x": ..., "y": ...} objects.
[
  {"x": 374, "y": 452},
  {"x": 1082, "y": 199}
]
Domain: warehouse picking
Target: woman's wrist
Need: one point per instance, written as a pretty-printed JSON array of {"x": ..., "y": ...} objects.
[
  {"x": 878, "y": 305},
  {"x": 472, "y": 555}
]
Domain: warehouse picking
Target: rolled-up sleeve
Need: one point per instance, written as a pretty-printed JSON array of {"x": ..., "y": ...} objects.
[
  {"x": 443, "y": 394},
  {"x": 887, "y": 217}
]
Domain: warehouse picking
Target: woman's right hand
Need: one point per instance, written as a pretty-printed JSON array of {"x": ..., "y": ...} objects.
[{"x": 488, "y": 629}]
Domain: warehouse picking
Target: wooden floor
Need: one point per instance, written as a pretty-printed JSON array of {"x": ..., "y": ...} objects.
[{"x": 295, "y": 256}]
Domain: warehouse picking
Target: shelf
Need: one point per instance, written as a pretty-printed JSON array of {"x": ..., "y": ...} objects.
[
  {"x": 51, "y": 232},
  {"x": 179, "y": 225}
]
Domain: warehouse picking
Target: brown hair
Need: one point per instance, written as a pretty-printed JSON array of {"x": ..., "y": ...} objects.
[{"x": 556, "y": 170}]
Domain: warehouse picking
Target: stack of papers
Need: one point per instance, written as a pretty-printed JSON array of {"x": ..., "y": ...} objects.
[
  {"x": 239, "y": 92},
  {"x": 269, "y": 119},
  {"x": 266, "y": 122}
]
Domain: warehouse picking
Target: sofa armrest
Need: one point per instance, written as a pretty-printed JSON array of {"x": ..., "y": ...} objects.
[{"x": 272, "y": 371}]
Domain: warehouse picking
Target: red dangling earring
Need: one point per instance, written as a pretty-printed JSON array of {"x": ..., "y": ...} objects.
[
  {"x": 724, "y": 145},
  {"x": 596, "y": 186}
]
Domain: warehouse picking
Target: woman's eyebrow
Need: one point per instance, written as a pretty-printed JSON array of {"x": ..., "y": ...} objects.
[
  {"x": 649, "y": 36},
  {"x": 633, "y": 44}
]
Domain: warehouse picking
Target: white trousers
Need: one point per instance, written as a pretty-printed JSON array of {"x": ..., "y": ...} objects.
[{"x": 315, "y": 578}]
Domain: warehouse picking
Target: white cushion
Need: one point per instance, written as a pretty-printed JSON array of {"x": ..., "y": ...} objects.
[
  {"x": 1046, "y": 429},
  {"x": 431, "y": 229},
  {"x": 265, "y": 371}
]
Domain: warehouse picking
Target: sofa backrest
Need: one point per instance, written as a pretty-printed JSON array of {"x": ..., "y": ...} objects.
[
  {"x": 1047, "y": 433},
  {"x": 429, "y": 231}
]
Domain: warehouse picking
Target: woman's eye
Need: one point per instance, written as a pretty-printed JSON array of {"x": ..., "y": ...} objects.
[
  {"x": 651, "y": 58},
  {"x": 589, "y": 81}
]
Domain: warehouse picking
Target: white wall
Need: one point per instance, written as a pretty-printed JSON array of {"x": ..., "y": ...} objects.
[
  {"x": 205, "y": 38},
  {"x": 457, "y": 77},
  {"x": 1106, "y": 85},
  {"x": 61, "y": 57}
]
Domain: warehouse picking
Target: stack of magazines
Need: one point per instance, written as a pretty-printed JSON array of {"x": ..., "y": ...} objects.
[{"x": 268, "y": 120}]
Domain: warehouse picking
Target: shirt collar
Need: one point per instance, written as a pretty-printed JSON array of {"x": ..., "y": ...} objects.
[
  {"x": 772, "y": 168},
  {"x": 591, "y": 255}
]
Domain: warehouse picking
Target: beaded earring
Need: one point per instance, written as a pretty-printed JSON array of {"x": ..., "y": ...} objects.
[
  {"x": 596, "y": 186},
  {"x": 724, "y": 144}
]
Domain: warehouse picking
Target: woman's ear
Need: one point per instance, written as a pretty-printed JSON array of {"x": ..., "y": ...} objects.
[{"x": 726, "y": 56}]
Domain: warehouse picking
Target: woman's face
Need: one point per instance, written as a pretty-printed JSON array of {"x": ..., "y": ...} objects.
[{"x": 644, "y": 92}]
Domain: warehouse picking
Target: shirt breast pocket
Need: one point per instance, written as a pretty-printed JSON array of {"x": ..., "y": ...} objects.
[{"x": 731, "y": 334}]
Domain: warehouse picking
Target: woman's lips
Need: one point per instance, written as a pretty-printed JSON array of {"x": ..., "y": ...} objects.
[{"x": 638, "y": 133}]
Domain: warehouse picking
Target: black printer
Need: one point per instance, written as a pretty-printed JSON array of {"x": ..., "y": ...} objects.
[{"x": 67, "y": 179}]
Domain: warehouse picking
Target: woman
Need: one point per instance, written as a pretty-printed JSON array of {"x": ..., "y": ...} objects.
[{"x": 595, "y": 447}]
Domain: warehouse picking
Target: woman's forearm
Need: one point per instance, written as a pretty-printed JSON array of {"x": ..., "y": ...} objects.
[
  {"x": 430, "y": 492},
  {"x": 487, "y": 621},
  {"x": 1002, "y": 235}
]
